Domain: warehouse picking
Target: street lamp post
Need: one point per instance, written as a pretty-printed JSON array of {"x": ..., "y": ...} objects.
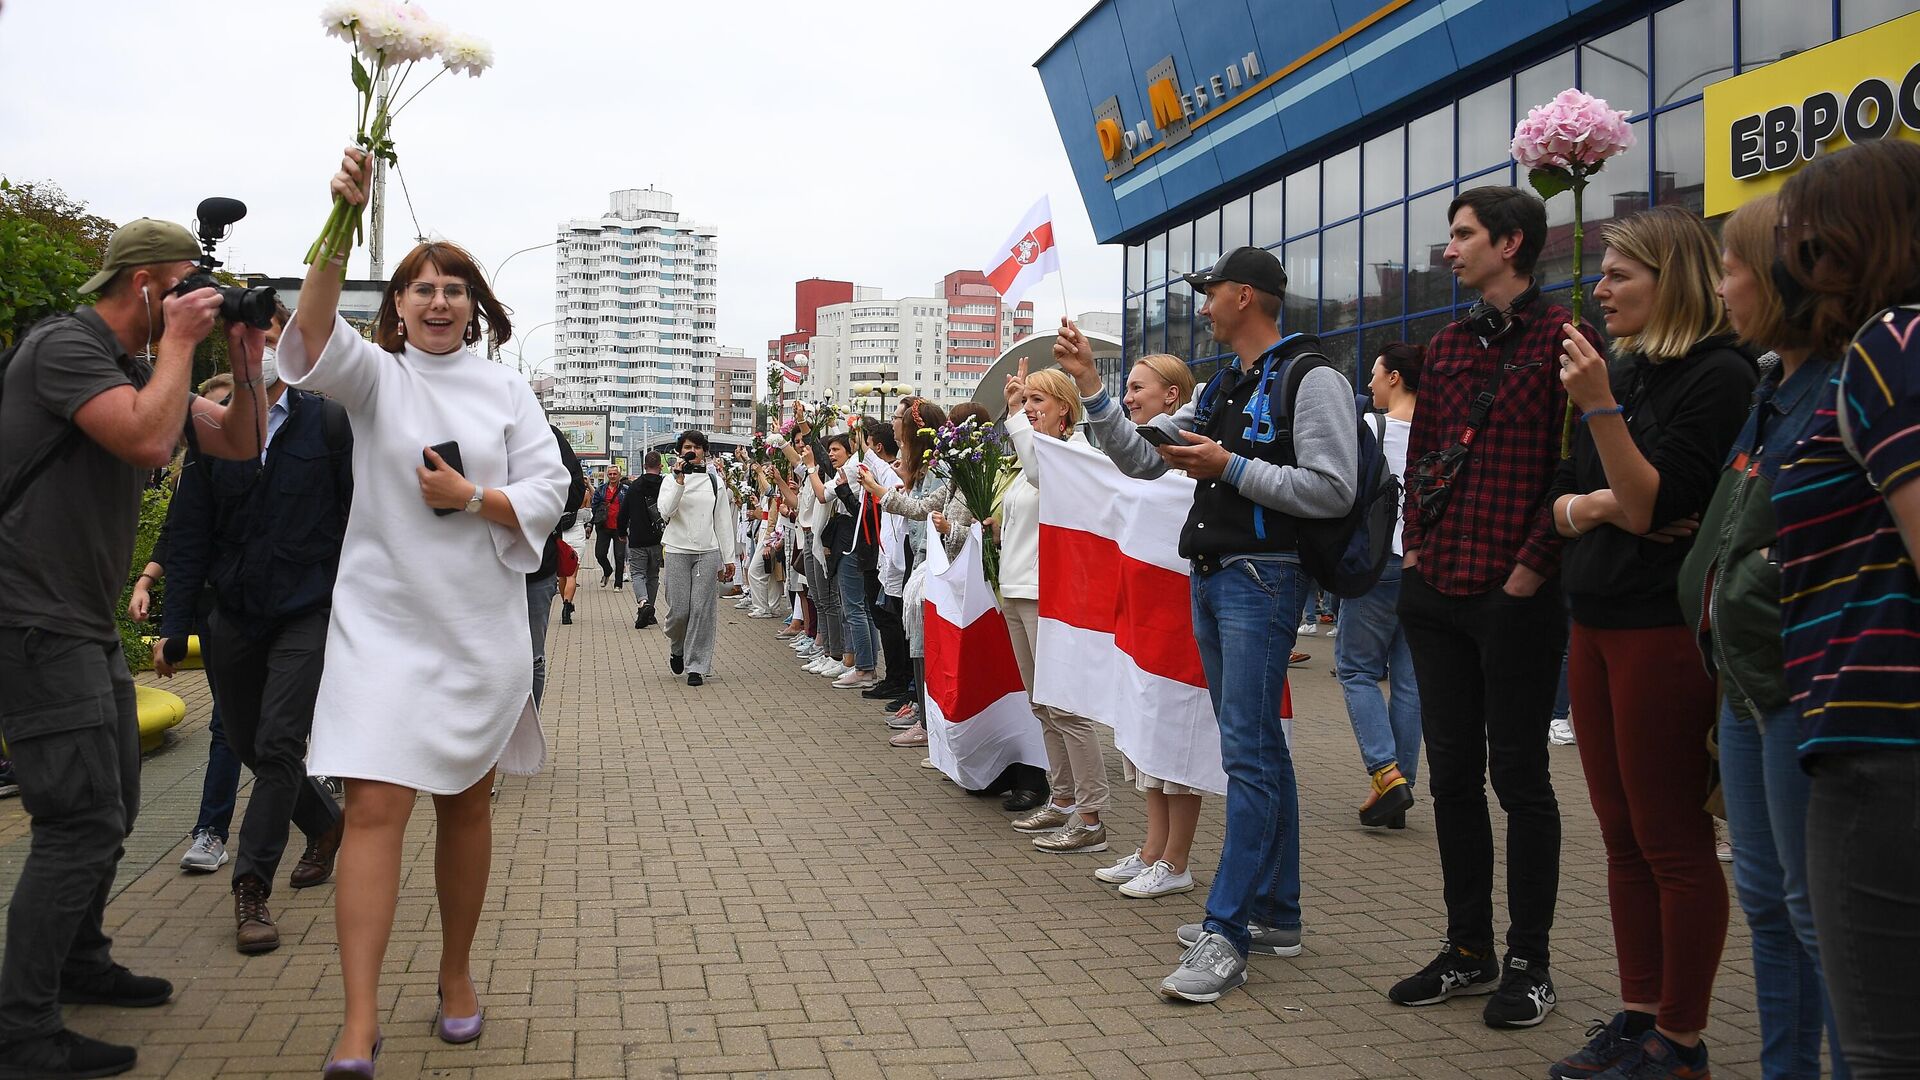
[
  {"x": 881, "y": 391},
  {"x": 519, "y": 350},
  {"x": 493, "y": 351}
]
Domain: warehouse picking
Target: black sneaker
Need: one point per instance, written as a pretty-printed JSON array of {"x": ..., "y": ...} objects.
[
  {"x": 883, "y": 690},
  {"x": 646, "y": 617},
  {"x": 1019, "y": 802},
  {"x": 63, "y": 1054},
  {"x": 640, "y": 619},
  {"x": 677, "y": 663},
  {"x": 1652, "y": 1057},
  {"x": 118, "y": 987},
  {"x": 566, "y": 613},
  {"x": 1525, "y": 996},
  {"x": 1451, "y": 974},
  {"x": 894, "y": 705},
  {"x": 1608, "y": 1045}
]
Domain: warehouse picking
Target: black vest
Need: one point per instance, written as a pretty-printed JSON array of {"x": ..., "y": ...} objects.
[{"x": 1248, "y": 413}]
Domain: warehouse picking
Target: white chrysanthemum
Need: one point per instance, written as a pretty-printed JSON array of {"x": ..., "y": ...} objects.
[
  {"x": 383, "y": 30},
  {"x": 340, "y": 18},
  {"x": 468, "y": 55}
]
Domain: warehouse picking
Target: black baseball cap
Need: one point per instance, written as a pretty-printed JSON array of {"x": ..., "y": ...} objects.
[{"x": 1245, "y": 266}]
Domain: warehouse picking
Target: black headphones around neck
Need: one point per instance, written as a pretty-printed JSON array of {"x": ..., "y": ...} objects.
[{"x": 1490, "y": 323}]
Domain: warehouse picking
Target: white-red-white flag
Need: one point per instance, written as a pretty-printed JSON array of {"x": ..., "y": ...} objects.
[
  {"x": 979, "y": 720},
  {"x": 1025, "y": 256},
  {"x": 1116, "y": 639}
]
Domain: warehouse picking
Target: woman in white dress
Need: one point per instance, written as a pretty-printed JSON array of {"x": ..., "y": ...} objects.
[{"x": 428, "y": 681}]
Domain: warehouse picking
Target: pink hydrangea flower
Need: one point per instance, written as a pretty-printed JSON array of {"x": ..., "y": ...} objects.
[{"x": 1573, "y": 131}]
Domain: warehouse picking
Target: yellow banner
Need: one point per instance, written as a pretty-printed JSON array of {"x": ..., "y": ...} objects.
[{"x": 1765, "y": 124}]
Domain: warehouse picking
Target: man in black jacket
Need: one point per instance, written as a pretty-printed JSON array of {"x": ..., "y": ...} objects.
[
  {"x": 542, "y": 583},
  {"x": 641, "y": 516},
  {"x": 265, "y": 536}
]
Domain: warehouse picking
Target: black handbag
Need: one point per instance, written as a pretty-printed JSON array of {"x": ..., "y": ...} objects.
[{"x": 1429, "y": 480}]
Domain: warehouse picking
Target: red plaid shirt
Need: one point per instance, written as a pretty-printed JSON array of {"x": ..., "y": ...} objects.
[{"x": 1498, "y": 514}]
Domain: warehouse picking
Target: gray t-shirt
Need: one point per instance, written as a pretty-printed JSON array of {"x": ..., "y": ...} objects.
[{"x": 66, "y": 544}]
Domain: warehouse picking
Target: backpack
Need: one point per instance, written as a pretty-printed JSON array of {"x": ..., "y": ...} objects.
[{"x": 1344, "y": 555}]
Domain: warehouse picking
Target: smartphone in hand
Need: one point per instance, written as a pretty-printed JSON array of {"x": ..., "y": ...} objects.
[
  {"x": 449, "y": 452},
  {"x": 1157, "y": 437}
]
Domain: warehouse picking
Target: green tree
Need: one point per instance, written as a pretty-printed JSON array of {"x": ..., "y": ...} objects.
[{"x": 49, "y": 246}]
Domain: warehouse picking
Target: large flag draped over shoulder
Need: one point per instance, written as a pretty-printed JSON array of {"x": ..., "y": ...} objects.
[
  {"x": 1025, "y": 256},
  {"x": 1116, "y": 615},
  {"x": 978, "y": 718}
]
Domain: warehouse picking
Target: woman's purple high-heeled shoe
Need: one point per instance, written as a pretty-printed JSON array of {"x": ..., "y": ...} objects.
[
  {"x": 457, "y": 1029},
  {"x": 362, "y": 1068}
]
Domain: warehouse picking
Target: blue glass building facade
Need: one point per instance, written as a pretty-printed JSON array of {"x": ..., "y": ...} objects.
[{"x": 1376, "y": 115}]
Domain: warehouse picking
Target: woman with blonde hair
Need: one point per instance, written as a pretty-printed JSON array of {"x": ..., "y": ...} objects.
[
  {"x": 1653, "y": 431},
  {"x": 1732, "y": 574},
  {"x": 1046, "y": 404},
  {"x": 428, "y": 684},
  {"x": 1157, "y": 385}
]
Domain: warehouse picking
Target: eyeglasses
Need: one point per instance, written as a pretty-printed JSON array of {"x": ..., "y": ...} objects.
[{"x": 424, "y": 291}]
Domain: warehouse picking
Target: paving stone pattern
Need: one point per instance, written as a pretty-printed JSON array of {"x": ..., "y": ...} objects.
[{"x": 744, "y": 879}]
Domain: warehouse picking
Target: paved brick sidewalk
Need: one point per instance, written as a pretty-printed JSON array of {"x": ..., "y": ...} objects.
[{"x": 744, "y": 879}]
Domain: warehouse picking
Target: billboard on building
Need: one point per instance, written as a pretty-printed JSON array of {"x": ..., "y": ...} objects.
[{"x": 587, "y": 431}]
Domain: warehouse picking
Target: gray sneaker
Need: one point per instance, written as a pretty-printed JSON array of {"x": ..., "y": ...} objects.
[
  {"x": 1267, "y": 940},
  {"x": 1209, "y": 968},
  {"x": 207, "y": 854}
]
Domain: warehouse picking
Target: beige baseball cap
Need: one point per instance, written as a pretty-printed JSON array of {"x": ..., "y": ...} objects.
[{"x": 140, "y": 242}]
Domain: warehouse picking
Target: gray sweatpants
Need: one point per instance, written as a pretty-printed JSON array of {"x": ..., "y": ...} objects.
[
  {"x": 643, "y": 570},
  {"x": 693, "y": 596}
]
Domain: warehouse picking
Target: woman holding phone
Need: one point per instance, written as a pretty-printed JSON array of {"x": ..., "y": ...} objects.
[{"x": 434, "y": 693}]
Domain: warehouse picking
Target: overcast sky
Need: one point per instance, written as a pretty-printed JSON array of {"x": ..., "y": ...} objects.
[{"x": 882, "y": 142}]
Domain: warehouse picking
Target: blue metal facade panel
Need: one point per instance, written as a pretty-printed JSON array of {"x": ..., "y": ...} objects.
[
  {"x": 1066, "y": 88},
  {"x": 1405, "y": 55}
]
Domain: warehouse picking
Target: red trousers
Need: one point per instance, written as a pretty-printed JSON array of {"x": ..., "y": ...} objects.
[{"x": 1642, "y": 707}]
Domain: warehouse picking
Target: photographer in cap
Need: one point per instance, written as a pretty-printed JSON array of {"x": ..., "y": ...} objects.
[
  {"x": 88, "y": 408},
  {"x": 1271, "y": 445}
]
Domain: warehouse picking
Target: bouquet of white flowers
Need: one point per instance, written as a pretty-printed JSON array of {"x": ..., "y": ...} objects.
[{"x": 389, "y": 38}]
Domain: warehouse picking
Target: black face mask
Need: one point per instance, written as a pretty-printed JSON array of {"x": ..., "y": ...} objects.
[{"x": 1796, "y": 299}]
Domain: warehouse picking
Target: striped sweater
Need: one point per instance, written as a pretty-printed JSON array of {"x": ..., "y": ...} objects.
[{"x": 1850, "y": 602}]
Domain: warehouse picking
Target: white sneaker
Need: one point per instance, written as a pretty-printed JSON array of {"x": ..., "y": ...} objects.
[
  {"x": 1332, "y": 630},
  {"x": 833, "y": 670},
  {"x": 1158, "y": 880},
  {"x": 855, "y": 679},
  {"x": 761, "y": 615},
  {"x": 1560, "y": 731},
  {"x": 208, "y": 853},
  {"x": 1308, "y": 628},
  {"x": 743, "y": 604},
  {"x": 801, "y": 643},
  {"x": 816, "y": 665},
  {"x": 1123, "y": 871}
]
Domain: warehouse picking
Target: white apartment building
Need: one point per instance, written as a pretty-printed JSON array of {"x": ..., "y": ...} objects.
[
  {"x": 910, "y": 341},
  {"x": 635, "y": 297}
]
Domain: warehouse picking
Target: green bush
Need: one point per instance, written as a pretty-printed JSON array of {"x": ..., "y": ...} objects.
[{"x": 153, "y": 514}]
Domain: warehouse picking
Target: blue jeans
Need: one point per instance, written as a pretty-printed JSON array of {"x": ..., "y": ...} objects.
[
  {"x": 1245, "y": 615},
  {"x": 540, "y": 592},
  {"x": 1562, "y": 699},
  {"x": 222, "y": 783},
  {"x": 1372, "y": 647},
  {"x": 859, "y": 618},
  {"x": 1766, "y": 793}
]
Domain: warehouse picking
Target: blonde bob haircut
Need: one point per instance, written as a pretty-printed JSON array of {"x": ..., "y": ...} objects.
[
  {"x": 1055, "y": 384},
  {"x": 1674, "y": 243},
  {"x": 1748, "y": 235},
  {"x": 1173, "y": 371}
]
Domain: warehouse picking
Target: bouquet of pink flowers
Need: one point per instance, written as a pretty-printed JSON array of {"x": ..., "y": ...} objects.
[
  {"x": 392, "y": 36},
  {"x": 1563, "y": 144}
]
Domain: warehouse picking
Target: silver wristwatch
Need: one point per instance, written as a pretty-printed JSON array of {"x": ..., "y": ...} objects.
[{"x": 479, "y": 499}]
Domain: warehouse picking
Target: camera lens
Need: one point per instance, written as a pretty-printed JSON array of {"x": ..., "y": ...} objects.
[{"x": 254, "y": 307}]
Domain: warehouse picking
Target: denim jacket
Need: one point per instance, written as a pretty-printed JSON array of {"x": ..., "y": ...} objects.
[{"x": 1730, "y": 582}]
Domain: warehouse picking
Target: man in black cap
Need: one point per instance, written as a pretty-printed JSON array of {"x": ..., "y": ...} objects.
[
  {"x": 1272, "y": 446},
  {"x": 87, "y": 412}
]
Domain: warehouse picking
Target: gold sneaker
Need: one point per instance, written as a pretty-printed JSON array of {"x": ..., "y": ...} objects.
[
  {"x": 1049, "y": 818},
  {"x": 1074, "y": 839}
]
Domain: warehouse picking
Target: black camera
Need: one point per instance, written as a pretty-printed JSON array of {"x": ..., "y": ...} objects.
[{"x": 254, "y": 307}]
